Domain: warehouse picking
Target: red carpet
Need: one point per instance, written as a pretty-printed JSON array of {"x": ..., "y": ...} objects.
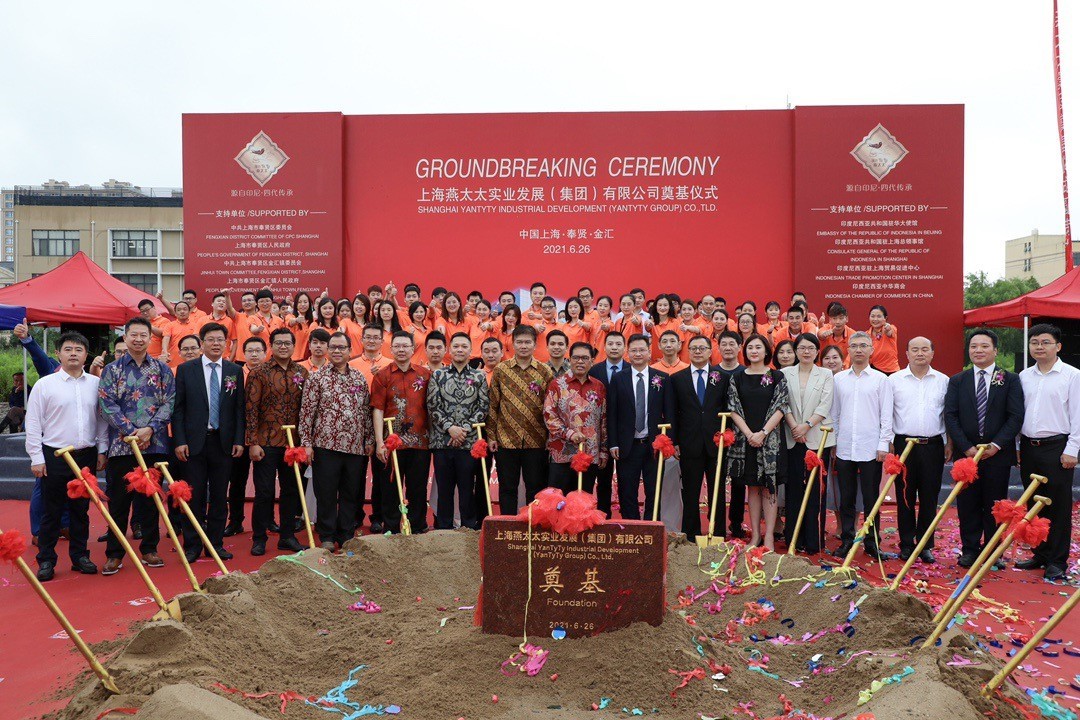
[{"x": 37, "y": 664}]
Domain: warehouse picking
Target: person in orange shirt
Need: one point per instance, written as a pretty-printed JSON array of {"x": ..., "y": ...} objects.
[
  {"x": 603, "y": 324},
  {"x": 750, "y": 308},
  {"x": 663, "y": 320},
  {"x": 158, "y": 323},
  {"x": 190, "y": 347},
  {"x": 548, "y": 320},
  {"x": 178, "y": 329},
  {"x": 837, "y": 331},
  {"x": 746, "y": 327},
  {"x": 386, "y": 316},
  {"x": 800, "y": 297},
  {"x": 301, "y": 323},
  {"x": 884, "y": 357},
  {"x": 717, "y": 327},
  {"x": 773, "y": 324},
  {"x": 688, "y": 329},
  {"x": 348, "y": 324},
  {"x": 670, "y": 344},
  {"x": 419, "y": 327},
  {"x": 492, "y": 354},
  {"x": 631, "y": 322},
  {"x": 435, "y": 351},
  {"x": 219, "y": 313},
  {"x": 318, "y": 342},
  {"x": 361, "y": 311},
  {"x": 795, "y": 325},
  {"x": 576, "y": 328},
  {"x": 188, "y": 296},
  {"x": 471, "y": 299},
  {"x": 510, "y": 319},
  {"x": 260, "y": 323},
  {"x": 240, "y": 319},
  {"x": 484, "y": 326},
  {"x": 454, "y": 319},
  {"x": 706, "y": 306},
  {"x": 808, "y": 325},
  {"x": 590, "y": 314},
  {"x": 325, "y": 315},
  {"x": 537, "y": 293},
  {"x": 371, "y": 360}
]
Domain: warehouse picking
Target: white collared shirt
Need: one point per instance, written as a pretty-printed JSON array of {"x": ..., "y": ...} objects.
[
  {"x": 919, "y": 404},
  {"x": 206, "y": 378},
  {"x": 863, "y": 409},
  {"x": 1051, "y": 403},
  {"x": 63, "y": 411},
  {"x": 644, "y": 374}
]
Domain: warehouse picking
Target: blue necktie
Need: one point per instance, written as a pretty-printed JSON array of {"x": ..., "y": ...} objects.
[
  {"x": 215, "y": 397},
  {"x": 612, "y": 369},
  {"x": 981, "y": 396},
  {"x": 700, "y": 386}
]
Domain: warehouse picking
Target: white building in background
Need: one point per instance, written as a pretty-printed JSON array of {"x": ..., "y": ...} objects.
[{"x": 1039, "y": 256}]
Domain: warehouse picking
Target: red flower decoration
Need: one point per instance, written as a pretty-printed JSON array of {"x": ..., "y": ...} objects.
[
  {"x": 544, "y": 506},
  {"x": 295, "y": 455},
  {"x": 12, "y": 546},
  {"x": 1008, "y": 512},
  {"x": 895, "y": 466},
  {"x": 965, "y": 471},
  {"x": 811, "y": 460},
  {"x": 1032, "y": 533},
  {"x": 76, "y": 489},
  {"x": 179, "y": 490},
  {"x": 479, "y": 449},
  {"x": 142, "y": 481},
  {"x": 663, "y": 445},
  {"x": 581, "y": 462},
  {"x": 728, "y": 438},
  {"x": 578, "y": 514},
  {"x": 393, "y": 442}
]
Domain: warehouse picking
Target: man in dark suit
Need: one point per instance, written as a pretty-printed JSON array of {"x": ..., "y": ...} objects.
[
  {"x": 700, "y": 394},
  {"x": 983, "y": 405},
  {"x": 208, "y": 429},
  {"x": 614, "y": 348},
  {"x": 637, "y": 401}
]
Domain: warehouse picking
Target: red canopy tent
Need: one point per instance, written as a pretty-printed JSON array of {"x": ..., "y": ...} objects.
[
  {"x": 78, "y": 291},
  {"x": 1059, "y": 299}
]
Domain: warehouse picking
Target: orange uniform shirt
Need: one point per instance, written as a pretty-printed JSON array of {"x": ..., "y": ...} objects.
[
  {"x": 242, "y": 325},
  {"x": 369, "y": 367},
  {"x": 574, "y": 333},
  {"x": 177, "y": 331},
  {"x": 842, "y": 342},
  {"x": 160, "y": 322},
  {"x": 659, "y": 329},
  {"x": 598, "y": 336},
  {"x": 307, "y": 365},
  {"x": 686, "y": 336},
  {"x": 884, "y": 356},
  {"x": 662, "y": 366},
  {"x": 478, "y": 336},
  {"x": 301, "y": 331},
  {"x": 354, "y": 331}
]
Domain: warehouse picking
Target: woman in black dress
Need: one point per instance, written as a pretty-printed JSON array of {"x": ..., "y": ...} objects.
[{"x": 758, "y": 402}]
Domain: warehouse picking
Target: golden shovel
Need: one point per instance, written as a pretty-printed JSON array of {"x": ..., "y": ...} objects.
[
  {"x": 809, "y": 488},
  {"x": 72, "y": 633},
  {"x": 300, "y": 487},
  {"x": 164, "y": 513},
  {"x": 710, "y": 539},
  {"x": 165, "y": 609},
  {"x": 659, "y": 476},
  {"x": 164, "y": 468},
  {"x": 1031, "y": 644},
  {"x": 406, "y": 527},
  {"x": 483, "y": 468}
]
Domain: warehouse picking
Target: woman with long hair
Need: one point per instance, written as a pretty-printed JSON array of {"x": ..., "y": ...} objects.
[
  {"x": 757, "y": 400},
  {"x": 418, "y": 327},
  {"x": 361, "y": 307},
  {"x": 884, "y": 356},
  {"x": 326, "y": 314},
  {"x": 348, "y": 324},
  {"x": 603, "y": 324},
  {"x": 511, "y": 318},
  {"x": 484, "y": 326},
  {"x": 664, "y": 318},
  {"x": 784, "y": 355},
  {"x": 301, "y": 323},
  {"x": 773, "y": 322},
  {"x": 631, "y": 321},
  {"x": 720, "y": 325},
  {"x": 746, "y": 326},
  {"x": 687, "y": 328},
  {"x": 454, "y": 318},
  {"x": 832, "y": 358},
  {"x": 386, "y": 316},
  {"x": 575, "y": 327}
]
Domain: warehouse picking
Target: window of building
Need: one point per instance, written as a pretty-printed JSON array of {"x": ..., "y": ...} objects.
[
  {"x": 148, "y": 283},
  {"x": 1027, "y": 266},
  {"x": 9, "y": 214},
  {"x": 1027, "y": 247},
  {"x": 55, "y": 243},
  {"x": 9, "y": 222},
  {"x": 134, "y": 243}
]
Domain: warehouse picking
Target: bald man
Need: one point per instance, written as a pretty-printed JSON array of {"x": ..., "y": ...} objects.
[{"x": 919, "y": 412}]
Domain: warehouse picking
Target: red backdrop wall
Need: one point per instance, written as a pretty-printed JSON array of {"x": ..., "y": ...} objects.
[{"x": 858, "y": 204}]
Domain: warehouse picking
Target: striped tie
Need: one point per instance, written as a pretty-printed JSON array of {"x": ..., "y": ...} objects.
[
  {"x": 215, "y": 397},
  {"x": 980, "y": 401}
]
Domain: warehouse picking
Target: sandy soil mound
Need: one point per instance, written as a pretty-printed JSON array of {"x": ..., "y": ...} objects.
[{"x": 781, "y": 626}]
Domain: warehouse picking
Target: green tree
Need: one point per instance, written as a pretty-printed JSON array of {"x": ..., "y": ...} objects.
[{"x": 980, "y": 291}]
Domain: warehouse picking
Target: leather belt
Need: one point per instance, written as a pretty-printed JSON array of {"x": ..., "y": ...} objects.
[{"x": 1036, "y": 442}]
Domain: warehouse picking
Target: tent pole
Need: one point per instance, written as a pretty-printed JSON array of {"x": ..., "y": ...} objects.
[{"x": 1027, "y": 318}]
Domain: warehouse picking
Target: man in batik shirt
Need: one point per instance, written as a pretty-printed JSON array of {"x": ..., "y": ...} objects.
[{"x": 575, "y": 412}]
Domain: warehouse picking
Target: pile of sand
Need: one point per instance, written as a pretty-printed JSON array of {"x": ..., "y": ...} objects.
[{"x": 289, "y": 629}]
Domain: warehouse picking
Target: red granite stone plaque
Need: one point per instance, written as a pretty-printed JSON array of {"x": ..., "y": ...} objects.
[{"x": 602, "y": 579}]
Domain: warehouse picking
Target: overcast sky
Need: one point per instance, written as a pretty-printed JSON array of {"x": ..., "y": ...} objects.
[{"x": 92, "y": 91}]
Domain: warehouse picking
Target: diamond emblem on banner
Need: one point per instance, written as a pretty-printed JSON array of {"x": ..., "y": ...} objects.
[
  {"x": 879, "y": 152},
  {"x": 262, "y": 158}
]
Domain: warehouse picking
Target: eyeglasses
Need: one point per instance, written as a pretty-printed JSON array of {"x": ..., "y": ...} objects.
[
  {"x": 338, "y": 347},
  {"x": 283, "y": 343},
  {"x": 860, "y": 346},
  {"x": 1042, "y": 343}
]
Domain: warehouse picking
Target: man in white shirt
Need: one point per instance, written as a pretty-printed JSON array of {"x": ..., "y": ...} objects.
[
  {"x": 1050, "y": 442},
  {"x": 63, "y": 412},
  {"x": 919, "y": 412},
  {"x": 863, "y": 407}
]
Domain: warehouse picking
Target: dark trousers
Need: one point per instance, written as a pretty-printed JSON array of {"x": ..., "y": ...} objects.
[
  {"x": 209, "y": 474},
  {"x": 414, "y": 465},
  {"x": 455, "y": 469},
  {"x": 603, "y": 487},
  {"x": 124, "y": 503},
  {"x": 974, "y": 506},
  {"x": 812, "y": 534},
  {"x": 56, "y": 503},
  {"x": 480, "y": 510},
  {"x": 852, "y": 476},
  {"x": 271, "y": 470},
  {"x": 238, "y": 481},
  {"x": 515, "y": 464},
  {"x": 637, "y": 464},
  {"x": 339, "y": 479},
  {"x": 1045, "y": 459},
  {"x": 694, "y": 469},
  {"x": 562, "y": 476},
  {"x": 925, "y": 464},
  {"x": 376, "y": 494}
]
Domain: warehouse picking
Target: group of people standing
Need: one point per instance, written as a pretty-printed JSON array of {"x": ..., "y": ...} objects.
[{"x": 215, "y": 402}]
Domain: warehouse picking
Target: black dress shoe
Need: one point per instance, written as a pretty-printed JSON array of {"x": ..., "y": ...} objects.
[
  {"x": 233, "y": 530},
  {"x": 137, "y": 533},
  {"x": 377, "y": 527},
  {"x": 192, "y": 555},
  {"x": 842, "y": 551},
  {"x": 104, "y": 538},
  {"x": 1031, "y": 564},
  {"x": 1054, "y": 572},
  {"x": 298, "y": 525},
  {"x": 872, "y": 551},
  {"x": 274, "y": 528},
  {"x": 84, "y": 566},
  {"x": 966, "y": 560},
  {"x": 223, "y": 553},
  {"x": 291, "y": 544},
  {"x": 737, "y": 534},
  {"x": 46, "y": 571},
  {"x": 927, "y": 557},
  {"x": 258, "y": 548}
]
